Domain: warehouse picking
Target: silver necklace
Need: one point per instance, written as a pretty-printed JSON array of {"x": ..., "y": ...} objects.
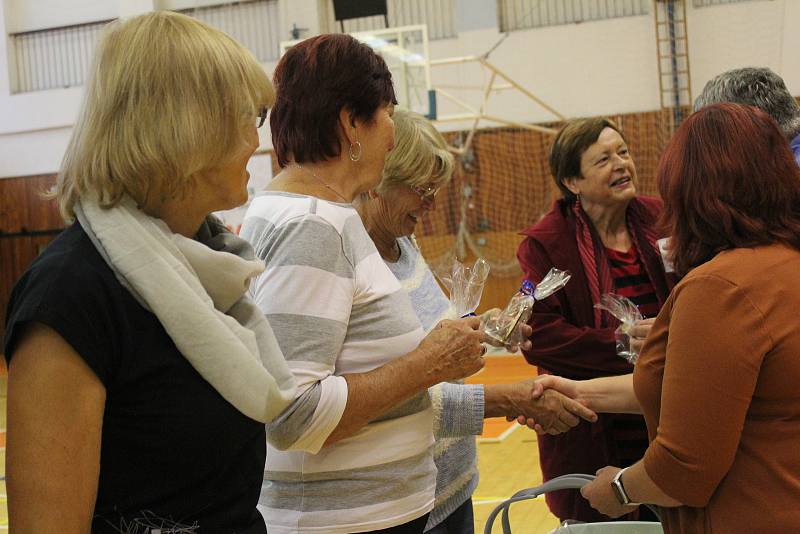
[{"x": 320, "y": 180}]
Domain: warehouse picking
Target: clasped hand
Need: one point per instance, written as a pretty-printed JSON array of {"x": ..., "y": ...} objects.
[
  {"x": 548, "y": 411},
  {"x": 601, "y": 495}
]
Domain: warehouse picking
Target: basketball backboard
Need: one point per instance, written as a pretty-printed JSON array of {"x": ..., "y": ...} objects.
[{"x": 405, "y": 50}]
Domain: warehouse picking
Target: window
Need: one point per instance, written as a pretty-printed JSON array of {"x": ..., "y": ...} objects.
[
  {"x": 60, "y": 57},
  {"x": 706, "y": 3},
  {"x": 53, "y": 58},
  {"x": 254, "y": 24},
  {"x": 521, "y": 14}
]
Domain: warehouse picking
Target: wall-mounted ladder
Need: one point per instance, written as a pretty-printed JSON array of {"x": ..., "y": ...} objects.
[{"x": 672, "y": 48}]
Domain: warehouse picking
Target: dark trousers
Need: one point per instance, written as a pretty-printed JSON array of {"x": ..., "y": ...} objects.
[
  {"x": 461, "y": 521},
  {"x": 646, "y": 514},
  {"x": 412, "y": 527}
]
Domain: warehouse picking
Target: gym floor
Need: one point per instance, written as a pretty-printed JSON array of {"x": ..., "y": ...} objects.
[{"x": 508, "y": 459}]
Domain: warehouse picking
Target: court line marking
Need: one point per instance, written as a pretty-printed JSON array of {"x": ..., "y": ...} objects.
[
  {"x": 478, "y": 501},
  {"x": 507, "y": 432}
]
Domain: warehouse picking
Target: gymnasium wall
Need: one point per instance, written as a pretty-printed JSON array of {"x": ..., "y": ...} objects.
[
  {"x": 509, "y": 176},
  {"x": 594, "y": 68},
  {"x": 28, "y": 222}
]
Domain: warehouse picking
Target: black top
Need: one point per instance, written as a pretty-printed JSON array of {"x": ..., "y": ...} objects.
[{"x": 172, "y": 448}]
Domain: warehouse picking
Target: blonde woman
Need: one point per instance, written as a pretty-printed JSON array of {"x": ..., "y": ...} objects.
[
  {"x": 415, "y": 170},
  {"x": 140, "y": 376}
]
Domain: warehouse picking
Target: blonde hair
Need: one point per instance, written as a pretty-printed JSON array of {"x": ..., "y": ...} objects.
[
  {"x": 168, "y": 97},
  {"x": 420, "y": 156}
]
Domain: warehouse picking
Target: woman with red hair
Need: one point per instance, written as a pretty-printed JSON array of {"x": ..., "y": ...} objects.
[
  {"x": 353, "y": 452},
  {"x": 716, "y": 381}
]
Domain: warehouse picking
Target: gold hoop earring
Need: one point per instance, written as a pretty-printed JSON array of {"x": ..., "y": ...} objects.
[{"x": 355, "y": 151}]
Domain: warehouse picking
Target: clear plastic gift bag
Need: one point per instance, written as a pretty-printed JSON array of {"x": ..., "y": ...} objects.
[
  {"x": 504, "y": 328},
  {"x": 465, "y": 285},
  {"x": 628, "y": 314}
]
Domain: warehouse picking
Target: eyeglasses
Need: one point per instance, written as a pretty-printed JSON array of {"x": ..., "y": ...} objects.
[
  {"x": 426, "y": 194},
  {"x": 261, "y": 117}
]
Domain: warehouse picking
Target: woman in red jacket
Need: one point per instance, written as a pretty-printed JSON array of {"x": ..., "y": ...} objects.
[{"x": 604, "y": 234}]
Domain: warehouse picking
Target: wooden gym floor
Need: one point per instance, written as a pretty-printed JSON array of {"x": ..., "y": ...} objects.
[{"x": 508, "y": 458}]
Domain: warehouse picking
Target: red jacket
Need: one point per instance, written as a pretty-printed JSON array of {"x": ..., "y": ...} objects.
[{"x": 566, "y": 343}]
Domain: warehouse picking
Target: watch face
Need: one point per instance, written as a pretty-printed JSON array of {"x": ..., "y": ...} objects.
[{"x": 619, "y": 493}]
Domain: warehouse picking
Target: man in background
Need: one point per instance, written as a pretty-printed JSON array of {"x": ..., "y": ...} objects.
[{"x": 759, "y": 87}]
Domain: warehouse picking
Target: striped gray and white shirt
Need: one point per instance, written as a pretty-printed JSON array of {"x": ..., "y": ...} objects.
[{"x": 336, "y": 308}]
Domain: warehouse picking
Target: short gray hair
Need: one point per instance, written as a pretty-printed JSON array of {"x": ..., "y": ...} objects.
[{"x": 755, "y": 86}]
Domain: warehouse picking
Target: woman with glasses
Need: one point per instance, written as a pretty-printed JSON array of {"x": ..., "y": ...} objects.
[
  {"x": 140, "y": 374},
  {"x": 354, "y": 451},
  {"x": 418, "y": 167}
]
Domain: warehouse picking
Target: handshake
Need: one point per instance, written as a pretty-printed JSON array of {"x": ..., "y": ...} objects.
[
  {"x": 534, "y": 402},
  {"x": 453, "y": 350},
  {"x": 531, "y": 402},
  {"x": 555, "y": 404}
]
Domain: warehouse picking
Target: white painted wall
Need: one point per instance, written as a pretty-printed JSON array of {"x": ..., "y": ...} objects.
[
  {"x": 588, "y": 69},
  {"x": 763, "y": 34},
  {"x": 593, "y": 68},
  {"x": 29, "y": 15}
]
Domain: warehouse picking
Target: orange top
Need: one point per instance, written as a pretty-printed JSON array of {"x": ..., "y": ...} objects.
[{"x": 719, "y": 385}]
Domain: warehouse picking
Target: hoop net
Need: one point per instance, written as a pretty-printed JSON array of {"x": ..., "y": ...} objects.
[{"x": 503, "y": 185}]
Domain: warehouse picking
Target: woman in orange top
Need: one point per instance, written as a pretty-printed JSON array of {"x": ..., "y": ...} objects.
[{"x": 717, "y": 378}]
